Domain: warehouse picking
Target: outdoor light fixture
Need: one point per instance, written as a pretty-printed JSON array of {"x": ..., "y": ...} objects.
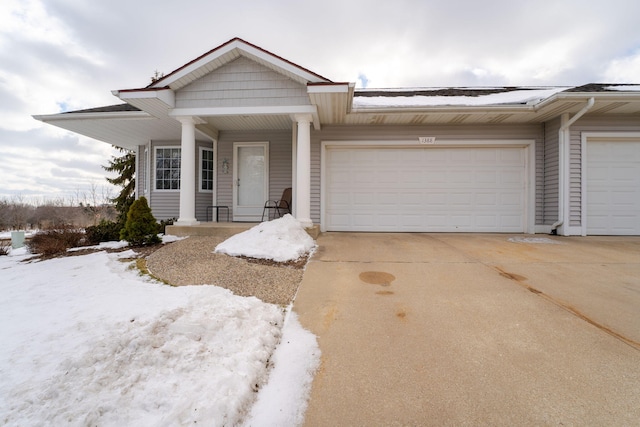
[{"x": 225, "y": 166}]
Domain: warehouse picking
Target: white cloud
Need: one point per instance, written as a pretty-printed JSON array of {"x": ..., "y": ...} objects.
[{"x": 623, "y": 70}]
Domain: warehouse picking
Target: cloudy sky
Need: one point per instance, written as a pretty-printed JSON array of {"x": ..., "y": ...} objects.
[{"x": 61, "y": 55}]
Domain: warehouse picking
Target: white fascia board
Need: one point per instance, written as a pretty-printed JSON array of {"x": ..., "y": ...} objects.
[
  {"x": 166, "y": 95},
  {"x": 329, "y": 88},
  {"x": 453, "y": 109},
  {"x": 122, "y": 115},
  {"x": 199, "y": 63},
  {"x": 584, "y": 96},
  {"x": 280, "y": 63},
  {"x": 243, "y": 111}
]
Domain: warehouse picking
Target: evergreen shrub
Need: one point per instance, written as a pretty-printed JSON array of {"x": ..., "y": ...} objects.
[
  {"x": 141, "y": 227},
  {"x": 105, "y": 231}
]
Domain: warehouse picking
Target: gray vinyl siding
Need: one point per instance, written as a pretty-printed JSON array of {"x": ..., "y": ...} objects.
[
  {"x": 590, "y": 124},
  {"x": 165, "y": 204},
  {"x": 280, "y": 162},
  {"x": 242, "y": 83},
  {"x": 390, "y": 133},
  {"x": 550, "y": 193}
]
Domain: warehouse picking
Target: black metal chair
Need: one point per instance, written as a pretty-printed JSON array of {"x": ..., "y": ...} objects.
[{"x": 281, "y": 207}]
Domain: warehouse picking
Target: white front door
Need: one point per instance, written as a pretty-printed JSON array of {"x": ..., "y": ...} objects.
[{"x": 251, "y": 180}]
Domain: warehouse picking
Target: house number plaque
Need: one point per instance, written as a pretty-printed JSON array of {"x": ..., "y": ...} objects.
[{"x": 427, "y": 139}]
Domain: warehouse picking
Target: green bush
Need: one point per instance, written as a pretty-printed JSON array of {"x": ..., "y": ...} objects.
[
  {"x": 106, "y": 231},
  {"x": 55, "y": 240},
  {"x": 141, "y": 227}
]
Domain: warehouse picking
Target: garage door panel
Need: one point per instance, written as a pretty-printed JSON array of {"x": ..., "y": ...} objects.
[
  {"x": 428, "y": 189},
  {"x": 624, "y": 175},
  {"x": 613, "y": 187}
]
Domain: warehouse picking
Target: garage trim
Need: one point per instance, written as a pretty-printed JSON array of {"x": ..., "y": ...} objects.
[
  {"x": 530, "y": 173},
  {"x": 585, "y": 137}
]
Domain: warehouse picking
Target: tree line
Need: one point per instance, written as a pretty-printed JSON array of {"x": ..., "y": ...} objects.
[{"x": 81, "y": 210}]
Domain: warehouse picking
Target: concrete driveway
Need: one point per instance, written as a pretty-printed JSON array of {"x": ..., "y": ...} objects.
[{"x": 474, "y": 329}]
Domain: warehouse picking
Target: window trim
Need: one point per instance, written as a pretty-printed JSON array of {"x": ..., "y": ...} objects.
[
  {"x": 155, "y": 168},
  {"x": 200, "y": 169}
]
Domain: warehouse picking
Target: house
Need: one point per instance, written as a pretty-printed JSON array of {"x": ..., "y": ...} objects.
[{"x": 239, "y": 124}]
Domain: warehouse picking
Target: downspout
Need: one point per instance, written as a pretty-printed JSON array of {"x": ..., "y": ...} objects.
[{"x": 562, "y": 143}]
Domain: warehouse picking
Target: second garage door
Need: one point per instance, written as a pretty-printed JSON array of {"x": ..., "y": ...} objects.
[
  {"x": 477, "y": 189},
  {"x": 613, "y": 187}
]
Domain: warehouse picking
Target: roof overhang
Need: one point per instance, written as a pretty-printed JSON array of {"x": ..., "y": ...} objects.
[{"x": 126, "y": 129}]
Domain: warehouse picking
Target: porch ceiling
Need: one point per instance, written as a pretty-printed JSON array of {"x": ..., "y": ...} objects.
[
  {"x": 123, "y": 130},
  {"x": 250, "y": 122}
]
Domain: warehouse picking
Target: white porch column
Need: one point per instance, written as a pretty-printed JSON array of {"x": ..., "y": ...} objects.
[
  {"x": 188, "y": 172},
  {"x": 303, "y": 170}
]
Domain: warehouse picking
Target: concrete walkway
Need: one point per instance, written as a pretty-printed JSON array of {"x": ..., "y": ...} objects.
[{"x": 451, "y": 329}]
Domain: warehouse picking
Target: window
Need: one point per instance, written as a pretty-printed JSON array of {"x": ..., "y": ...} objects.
[
  {"x": 206, "y": 169},
  {"x": 168, "y": 168}
]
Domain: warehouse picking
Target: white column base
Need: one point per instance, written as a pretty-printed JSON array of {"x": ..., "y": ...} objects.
[{"x": 187, "y": 222}]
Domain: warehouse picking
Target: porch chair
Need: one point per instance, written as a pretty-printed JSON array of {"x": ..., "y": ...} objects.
[{"x": 282, "y": 206}]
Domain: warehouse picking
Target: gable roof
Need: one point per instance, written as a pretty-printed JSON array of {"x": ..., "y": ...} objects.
[{"x": 229, "y": 51}]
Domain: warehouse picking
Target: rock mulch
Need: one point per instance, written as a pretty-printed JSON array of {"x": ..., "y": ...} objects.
[{"x": 192, "y": 262}]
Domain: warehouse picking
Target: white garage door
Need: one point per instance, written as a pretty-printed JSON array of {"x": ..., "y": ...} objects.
[
  {"x": 613, "y": 187},
  {"x": 425, "y": 189}
]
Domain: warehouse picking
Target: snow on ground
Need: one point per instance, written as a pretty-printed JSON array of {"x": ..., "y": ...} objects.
[
  {"x": 281, "y": 240},
  {"x": 86, "y": 340},
  {"x": 296, "y": 360},
  {"x": 7, "y": 234}
]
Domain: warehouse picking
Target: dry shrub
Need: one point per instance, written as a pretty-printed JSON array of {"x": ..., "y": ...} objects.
[
  {"x": 55, "y": 240},
  {"x": 5, "y": 248}
]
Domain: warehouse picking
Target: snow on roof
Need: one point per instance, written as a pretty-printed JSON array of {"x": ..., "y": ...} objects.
[
  {"x": 453, "y": 97},
  {"x": 625, "y": 88}
]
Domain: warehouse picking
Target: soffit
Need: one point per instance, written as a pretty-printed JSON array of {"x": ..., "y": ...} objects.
[{"x": 487, "y": 115}]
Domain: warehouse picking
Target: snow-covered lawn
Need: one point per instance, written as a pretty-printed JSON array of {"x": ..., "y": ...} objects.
[{"x": 86, "y": 340}]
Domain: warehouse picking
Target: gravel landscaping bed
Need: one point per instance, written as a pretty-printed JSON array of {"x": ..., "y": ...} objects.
[{"x": 192, "y": 262}]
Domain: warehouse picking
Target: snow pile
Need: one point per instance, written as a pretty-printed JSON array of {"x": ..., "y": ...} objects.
[
  {"x": 86, "y": 340},
  {"x": 534, "y": 240},
  {"x": 283, "y": 239}
]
